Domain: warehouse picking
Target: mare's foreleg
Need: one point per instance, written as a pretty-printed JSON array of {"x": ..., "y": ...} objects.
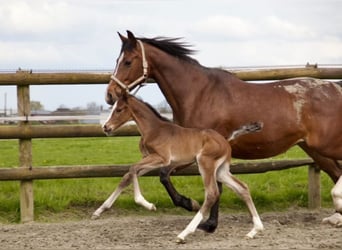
[
  {"x": 211, "y": 223},
  {"x": 241, "y": 189},
  {"x": 334, "y": 169},
  {"x": 177, "y": 199},
  {"x": 125, "y": 181}
]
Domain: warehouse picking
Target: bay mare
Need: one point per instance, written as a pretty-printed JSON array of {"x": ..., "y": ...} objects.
[
  {"x": 164, "y": 143},
  {"x": 300, "y": 111}
]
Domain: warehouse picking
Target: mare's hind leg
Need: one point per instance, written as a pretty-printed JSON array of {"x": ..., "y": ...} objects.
[
  {"x": 177, "y": 199},
  {"x": 240, "y": 188},
  {"x": 334, "y": 169}
]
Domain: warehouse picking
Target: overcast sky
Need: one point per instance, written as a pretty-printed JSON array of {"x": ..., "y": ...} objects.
[{"x": 81, "y": 34}]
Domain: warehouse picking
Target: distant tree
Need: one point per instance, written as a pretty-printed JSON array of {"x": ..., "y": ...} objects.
[
  {"x": 36, "y": 106},
  {"x": 92, "y": 106}
]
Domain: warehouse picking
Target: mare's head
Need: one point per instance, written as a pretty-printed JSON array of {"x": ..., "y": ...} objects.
[
  {"x": 131, "y": 68},
  {"x": 134, "y": 64},
  {"x": 120, "y": 114}
]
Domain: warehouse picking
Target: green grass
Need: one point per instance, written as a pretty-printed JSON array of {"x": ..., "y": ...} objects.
[{"x": 77, "y": 198}]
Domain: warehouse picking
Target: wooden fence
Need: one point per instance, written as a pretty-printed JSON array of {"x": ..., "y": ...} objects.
[{"x": 25, "y": 132}]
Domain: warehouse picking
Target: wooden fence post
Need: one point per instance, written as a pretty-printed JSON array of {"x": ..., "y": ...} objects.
[
  {"x": 25, "y": 156},
  {"x": 314, "y": 187}
]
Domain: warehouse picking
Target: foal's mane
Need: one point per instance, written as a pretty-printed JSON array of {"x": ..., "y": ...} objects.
[
  {"x": 154, "y": 110},
  {"x": 172, "y": 46}
]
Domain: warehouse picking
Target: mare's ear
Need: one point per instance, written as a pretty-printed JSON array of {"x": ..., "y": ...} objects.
[
  {"x": 123, "y": 39},
  {"x": 131, "y": 38}
]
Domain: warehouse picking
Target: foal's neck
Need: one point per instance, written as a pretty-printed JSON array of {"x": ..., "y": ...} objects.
[{"x": 146, "y": 118}]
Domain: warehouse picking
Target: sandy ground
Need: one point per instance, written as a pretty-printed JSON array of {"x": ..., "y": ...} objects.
[{"x": 295, "y": 229}]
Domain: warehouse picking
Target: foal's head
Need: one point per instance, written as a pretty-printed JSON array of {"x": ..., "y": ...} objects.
[{"x": 120, "y": 114}]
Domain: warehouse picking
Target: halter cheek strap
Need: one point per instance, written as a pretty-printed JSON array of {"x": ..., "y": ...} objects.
[{"x": 141, "y": 78}]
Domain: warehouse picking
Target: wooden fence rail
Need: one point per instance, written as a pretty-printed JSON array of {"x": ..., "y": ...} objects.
[
  {"x": 61, "y": 172},
  {"x": 32, "y": 78},
  {"x": 25, "y": 132}
]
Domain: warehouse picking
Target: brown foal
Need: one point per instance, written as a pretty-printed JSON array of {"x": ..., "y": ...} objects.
[{"x": 167, "y": 144}]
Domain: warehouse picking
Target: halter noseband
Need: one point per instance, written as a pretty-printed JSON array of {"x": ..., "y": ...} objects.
[{"x": 141, "y": 78}]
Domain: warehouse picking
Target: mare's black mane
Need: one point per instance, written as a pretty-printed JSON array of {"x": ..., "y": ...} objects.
[{"x": 172, "y": 46}]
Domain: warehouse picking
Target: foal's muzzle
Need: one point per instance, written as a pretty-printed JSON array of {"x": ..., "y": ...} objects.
[{"x": 107, "y": 129}]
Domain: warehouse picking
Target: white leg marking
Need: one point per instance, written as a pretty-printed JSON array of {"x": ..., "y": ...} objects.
[
  {"x": 139, "y": 198},
  {"x": 107, "y": 204},
  {"x": 191, "y": 227},
  {"x": 336, "y": 193},
  {"x": 241, "y": 189}
]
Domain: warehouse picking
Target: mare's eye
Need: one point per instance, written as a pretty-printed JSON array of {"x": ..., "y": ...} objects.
[{"x": 127, "y": 63}]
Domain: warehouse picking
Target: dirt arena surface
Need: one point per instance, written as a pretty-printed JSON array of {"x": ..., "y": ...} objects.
[{"x": 294, "y": 229}]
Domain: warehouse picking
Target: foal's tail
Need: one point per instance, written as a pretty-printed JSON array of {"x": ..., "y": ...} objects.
[{"x": 246, "y": 129}]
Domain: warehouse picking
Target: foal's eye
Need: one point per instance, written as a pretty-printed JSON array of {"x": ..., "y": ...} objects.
[{"x": 127, "y": 63}]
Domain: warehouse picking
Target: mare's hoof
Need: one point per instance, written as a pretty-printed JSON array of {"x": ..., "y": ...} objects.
[
  {"x": 208, "y": 226},
  {"x": 335, "y": 220}
]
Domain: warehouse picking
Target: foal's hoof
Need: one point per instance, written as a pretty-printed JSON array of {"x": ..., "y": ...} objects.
[
  {"x": 95, "y": 217},
  {"x": 180, "y": 241},
  {"x": 153, "y": 207}
]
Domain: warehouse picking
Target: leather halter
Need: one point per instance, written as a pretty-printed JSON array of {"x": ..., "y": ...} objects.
[{"x": 141, "y": 78}]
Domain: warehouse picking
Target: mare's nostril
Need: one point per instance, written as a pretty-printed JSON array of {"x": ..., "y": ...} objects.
[{"x": 109, "y": 98}]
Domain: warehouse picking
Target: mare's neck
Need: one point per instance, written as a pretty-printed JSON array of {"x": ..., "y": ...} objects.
[{"x": 178, "y": 80}]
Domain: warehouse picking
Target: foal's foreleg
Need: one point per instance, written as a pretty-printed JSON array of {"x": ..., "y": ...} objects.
[
  {"x": 150, "y": 162},
  {"x": 125, "y": 181}
]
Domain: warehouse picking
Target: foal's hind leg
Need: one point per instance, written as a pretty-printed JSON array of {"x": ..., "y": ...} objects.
[
  {"x": 207, "y": 170},
  {"x": 125, "y": 181},
  {"x": 240, "y": 188}
]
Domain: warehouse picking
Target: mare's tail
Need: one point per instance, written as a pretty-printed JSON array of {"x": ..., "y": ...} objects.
[{"x": 246, "y": 129}]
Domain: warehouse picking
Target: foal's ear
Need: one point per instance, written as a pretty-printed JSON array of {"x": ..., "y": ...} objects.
[
  {"x": 123, "y": 39},
  {"x": 131, "y": 38}
]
